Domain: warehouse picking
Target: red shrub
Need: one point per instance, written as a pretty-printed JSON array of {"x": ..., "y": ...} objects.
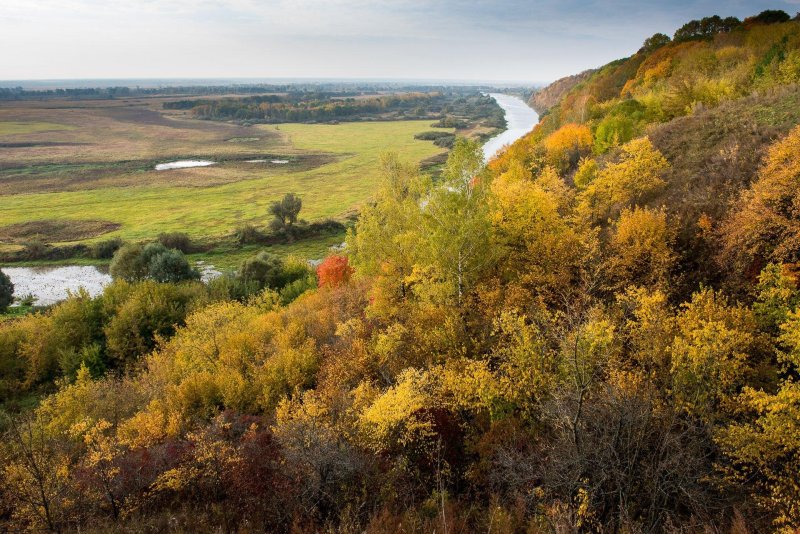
[{"x": 334, "y": 271}]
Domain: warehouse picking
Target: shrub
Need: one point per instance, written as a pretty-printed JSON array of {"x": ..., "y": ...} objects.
[
  {"x": 154, "y": 261},
  {"x": 248, "y": 234},
  {"x": 127, "y": 263},
  {"x": 176, "y": 240},
  {"x": 104, "y": 250},
  {"x": 230, "y": 287},
  {"x": 6, "y": 291},
  {"x": 334, "y": 271},
  {"x": 612, "y": 131},
  {"x": 171, "y": 266},
  {"x": 263, "y": 269},
  {"x": 35, "y": 250},
  {"x": 141, "y": 313}
]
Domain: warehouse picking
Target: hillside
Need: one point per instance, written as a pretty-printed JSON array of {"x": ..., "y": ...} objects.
[
  {"x": 597, "y": 331},
  {"x": 547, "y": 97}
]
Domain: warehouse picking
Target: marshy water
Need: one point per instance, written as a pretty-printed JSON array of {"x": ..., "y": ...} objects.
[
  {"x": 520, "y": 120},
  {"x": 48, "y": 285},
  {"x": 184, "y": 164}
]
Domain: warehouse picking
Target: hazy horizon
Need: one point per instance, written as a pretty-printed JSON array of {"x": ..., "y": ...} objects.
[{"x": 508, "y": 41}]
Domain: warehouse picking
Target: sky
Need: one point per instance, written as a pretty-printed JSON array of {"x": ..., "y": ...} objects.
[{"x": 531, "y": 41}]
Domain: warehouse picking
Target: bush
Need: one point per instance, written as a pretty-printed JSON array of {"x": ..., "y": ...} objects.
[
  {"x": 6, "y": 291},
  {"x": 153, "y": 261},
  {"x": 35, "y": 250},
  {"x": 104, "y": 250},
  {"x": 230, "y": 287},
  {"x": 171, "y": 266},
  {"x": 127, "y": 263},
  {"x": 334, "y": 271},
  {"x": 248, "y": 234},
  {"x": 176, "y": 240},
  {"x": 264, "y": 269},
  {"x": 143, "y": 312}
]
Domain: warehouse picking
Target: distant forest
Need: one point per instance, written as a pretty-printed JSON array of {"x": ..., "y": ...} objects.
[{"x": 326, "y": 106}]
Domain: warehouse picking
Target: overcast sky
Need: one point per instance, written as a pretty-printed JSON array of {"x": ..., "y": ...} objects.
[{"x": 500, "y": 40}]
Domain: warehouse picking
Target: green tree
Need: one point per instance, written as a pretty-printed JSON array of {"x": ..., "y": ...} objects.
[
  {"x": 455, "y": 222},
  {"x": 386, "y": 240},
  {"x": 171, "y": 266},
  {"x": 6, "y": 291},
  {"x": 153, "y": 261},
  {"x": 285, "y": 211},
  {"x": 654, "y": 42}
]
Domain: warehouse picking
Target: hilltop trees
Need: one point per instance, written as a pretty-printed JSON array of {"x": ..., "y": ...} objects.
[{"x": 706, "y": 28}]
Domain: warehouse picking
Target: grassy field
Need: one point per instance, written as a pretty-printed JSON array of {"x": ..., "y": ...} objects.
[
  {"x": 101, "y": 170},
  {"x": 16, "y": 128}
]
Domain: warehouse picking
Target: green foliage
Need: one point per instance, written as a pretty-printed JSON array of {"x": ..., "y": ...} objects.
[
  {"x": 106, "y": 249},
  {"x": 285, "y": 211},
  {"x": 141, "y": 313},
  {"x": 6, "y": 291},
  {"x": 176, "y": 240},
  {"x": 613, "y": 130},
  {"x": 706, "y": 28},
  {"x": 654, "y": 42},
  {"x": 134, "y": 262}
]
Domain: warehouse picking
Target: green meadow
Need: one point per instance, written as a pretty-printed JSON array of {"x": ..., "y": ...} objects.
[{"x": 211, "y": 202}]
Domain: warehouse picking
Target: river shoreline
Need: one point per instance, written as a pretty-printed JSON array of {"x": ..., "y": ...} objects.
[{"x": 520, "y": 120}]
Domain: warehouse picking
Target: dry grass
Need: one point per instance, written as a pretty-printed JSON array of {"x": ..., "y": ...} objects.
[{"x": 53, "y": 231}]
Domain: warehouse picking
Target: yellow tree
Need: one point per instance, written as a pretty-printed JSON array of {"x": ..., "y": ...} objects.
[
  {"x": 765, "y": 224},
  {"x": 629, "y": 181},
  {"x": 567, "y": 145},
  {"x": 766, "y": 449},
  {"x": 640, "y": 249},
  {"x": 711, "y": 354}
]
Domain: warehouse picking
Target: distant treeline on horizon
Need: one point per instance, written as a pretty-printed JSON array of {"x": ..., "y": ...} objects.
[{"x": 341, "y": 88}]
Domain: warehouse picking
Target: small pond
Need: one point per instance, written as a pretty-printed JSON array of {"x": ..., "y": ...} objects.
[
  {"x": 49, "y": 285},
  {"x": 184, "y": 164}
]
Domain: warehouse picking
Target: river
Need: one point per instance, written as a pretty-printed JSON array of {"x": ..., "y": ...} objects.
[{"x": 520, "y": 119}]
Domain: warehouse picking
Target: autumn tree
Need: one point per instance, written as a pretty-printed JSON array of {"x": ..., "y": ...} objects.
[
  {"x": 386, "y": 243},
  {"x": 766, "y": 450},
  {"x": 567, "y": 145},
  {"x": 36, "y": 473},
  {"x": 629, "y": 181},
  {"x": 714, "y": 351},
  {"x": 455, "y": 225},
  {"x": 765, "y": 224},
  {"x": 640, "y": 249},
  {"x": 334, "y": 270}
]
